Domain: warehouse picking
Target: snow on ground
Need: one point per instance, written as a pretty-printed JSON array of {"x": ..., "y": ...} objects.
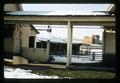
[
  {"x": 18, "y": 73},
  {"x": 81, "y": 59},
  {"x": 96, "y": 50}
]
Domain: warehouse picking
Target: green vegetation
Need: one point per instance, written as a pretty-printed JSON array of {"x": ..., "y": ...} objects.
[{"x": 81, "y": 74}]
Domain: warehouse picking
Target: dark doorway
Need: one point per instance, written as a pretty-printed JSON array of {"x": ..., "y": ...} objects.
[{"x": 8, "y": 30}]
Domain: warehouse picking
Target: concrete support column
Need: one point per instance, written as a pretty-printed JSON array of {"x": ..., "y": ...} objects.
[
  {"x": 69, "y": 44},
  {"x": 48, "y": 47}
]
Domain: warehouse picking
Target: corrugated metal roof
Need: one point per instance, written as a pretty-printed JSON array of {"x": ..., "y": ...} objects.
[
  {"x": 50, "y": 13},
  {"x": 27, "y": 12},
  {"x": 59, "y": 40}
]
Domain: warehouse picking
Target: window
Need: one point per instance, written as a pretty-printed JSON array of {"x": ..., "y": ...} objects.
[{"x": 31, "y": 41}]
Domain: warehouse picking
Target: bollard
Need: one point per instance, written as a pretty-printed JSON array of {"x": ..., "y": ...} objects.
[{"x": 93, "y": 56}]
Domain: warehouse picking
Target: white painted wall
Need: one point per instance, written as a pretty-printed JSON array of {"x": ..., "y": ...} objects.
[
  {"x": 35, "y": 54},
  {"x": 110, "y": 42}
]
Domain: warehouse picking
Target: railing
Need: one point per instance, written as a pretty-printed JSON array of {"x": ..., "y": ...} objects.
[{"x": 93, "y": 55}]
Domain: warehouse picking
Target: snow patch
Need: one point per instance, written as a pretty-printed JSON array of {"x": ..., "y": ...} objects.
[
  {"x": 19, "y": 73},
  {"x": 81, "y": 59}
]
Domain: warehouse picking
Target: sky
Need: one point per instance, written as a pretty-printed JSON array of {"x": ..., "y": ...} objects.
[
  {"x": 61, "y": 31},
  {"x": 78, "y": 33},
  {"x": 64, "y": 7}
]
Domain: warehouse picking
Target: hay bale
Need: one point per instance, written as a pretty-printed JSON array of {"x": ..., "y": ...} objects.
[{"x": 19, "y": 60}]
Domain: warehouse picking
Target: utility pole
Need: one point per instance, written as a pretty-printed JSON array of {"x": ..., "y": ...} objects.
[
  {"x": 48, "y": 41},
  {"x": 49, "y": 30}
]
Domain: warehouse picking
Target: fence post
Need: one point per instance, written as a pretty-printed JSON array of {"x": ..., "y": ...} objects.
[{"x": 93, "y": 53}]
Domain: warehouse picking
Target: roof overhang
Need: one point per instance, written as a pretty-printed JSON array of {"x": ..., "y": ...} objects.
[
  {"x": 111, "y": 8},
  {"x": 94, "y": 20},
  {"x": 34, "y": 29}
]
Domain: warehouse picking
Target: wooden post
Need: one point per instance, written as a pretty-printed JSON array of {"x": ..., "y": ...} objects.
[
  {"x": 103, "y": 47},
  {"x": 93, "y": 54},
  {"x": 48, "y": 47},
  {"x": 69, "y": 44},
  {"x": 35, "y": 42}
]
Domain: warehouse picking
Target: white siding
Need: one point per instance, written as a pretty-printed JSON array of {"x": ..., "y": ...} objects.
[
  {"x": 35, "y": 54},
  {"x": 110, "y": 45},
  {"x": 26, "y": 32}
]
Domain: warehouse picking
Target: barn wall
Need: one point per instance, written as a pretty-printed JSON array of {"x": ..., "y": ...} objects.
[
  {"x": 35, "y": 54},
  {"x": 109, "y": 49},
  {"x": 110, "y": 45}
]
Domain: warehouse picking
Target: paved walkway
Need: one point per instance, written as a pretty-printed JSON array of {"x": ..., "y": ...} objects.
[{"x": 58, "y": 66}]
